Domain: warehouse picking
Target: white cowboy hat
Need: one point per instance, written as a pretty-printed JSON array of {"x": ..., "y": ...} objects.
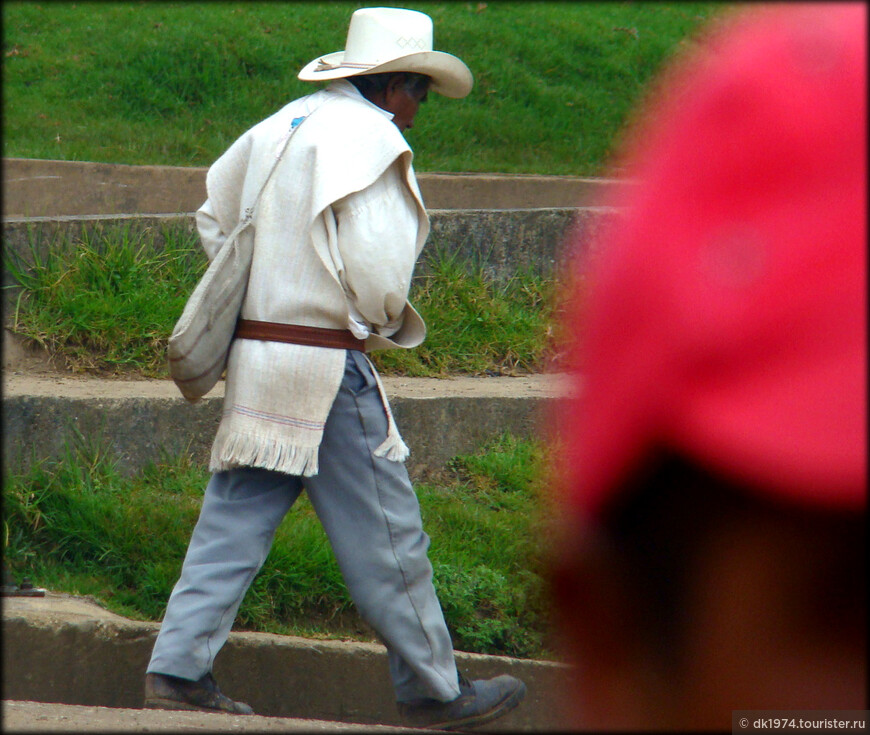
[{"x": 392, "y": 39}]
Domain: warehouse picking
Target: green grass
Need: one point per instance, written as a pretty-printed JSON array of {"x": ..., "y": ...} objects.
[
  {"x": 107, "y": 302},
  {"x": 476, "y": 324},
  {"x": 78, "y": 525},
  {"x": 176, "y": 83}
]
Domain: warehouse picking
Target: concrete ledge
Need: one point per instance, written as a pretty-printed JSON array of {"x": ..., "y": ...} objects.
[
  {"x": 504, "y": 242},
  {"x": 40, "y": 188},
  {"x": 139, "y": 429},
  {"x": 500, "y": 242},
  {"x": 65, "y": 649}
]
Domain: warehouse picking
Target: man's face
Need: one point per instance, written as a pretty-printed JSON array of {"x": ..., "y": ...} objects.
[{"x": 403, "y": 103}]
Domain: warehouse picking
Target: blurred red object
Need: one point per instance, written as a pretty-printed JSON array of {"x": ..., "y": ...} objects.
[{"x": 727, "y": 313}]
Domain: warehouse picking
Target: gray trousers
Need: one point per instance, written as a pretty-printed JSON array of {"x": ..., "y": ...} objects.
[{"x": 371, "y": 515}]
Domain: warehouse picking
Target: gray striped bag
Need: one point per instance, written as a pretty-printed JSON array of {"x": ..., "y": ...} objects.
[{"x": 200, "y": 342}]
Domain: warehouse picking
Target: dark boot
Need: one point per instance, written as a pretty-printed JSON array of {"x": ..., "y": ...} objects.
[
  {"x": 171, "y": 692},
  {"x": 479, "y": 701}
]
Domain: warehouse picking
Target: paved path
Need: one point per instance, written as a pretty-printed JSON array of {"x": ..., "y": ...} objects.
[{"x": 49, "y": 717}]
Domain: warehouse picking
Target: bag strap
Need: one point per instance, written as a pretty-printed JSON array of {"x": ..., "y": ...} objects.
[
  {"x": 282, "y": 146},
  {"x": 233, "y": 238}
]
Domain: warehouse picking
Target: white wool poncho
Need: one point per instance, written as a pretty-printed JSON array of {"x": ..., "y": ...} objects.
[{"x": 279, "y": 395}]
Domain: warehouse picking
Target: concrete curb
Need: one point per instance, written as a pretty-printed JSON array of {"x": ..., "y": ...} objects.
[
  {"x": 143, "y": 421},
  {"x": 65, "y": 649},
  {"x": 500, "y": 242},
  {"x": 40, "y": 188}
]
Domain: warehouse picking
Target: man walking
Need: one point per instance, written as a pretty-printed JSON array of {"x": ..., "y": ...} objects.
[{"x": 338, "y": 228}]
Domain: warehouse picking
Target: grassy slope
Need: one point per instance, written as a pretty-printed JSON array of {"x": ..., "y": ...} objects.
[
  {"x": 78, "y": 525},
  {"x": 175, "y": 83},
  {"x": 108, "y": 305}
]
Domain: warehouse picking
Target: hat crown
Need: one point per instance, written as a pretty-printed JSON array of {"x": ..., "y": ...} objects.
[{"x": 378, "y": 35}]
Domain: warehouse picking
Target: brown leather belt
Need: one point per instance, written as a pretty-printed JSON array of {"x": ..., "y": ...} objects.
[{"x": 297, "y": 334}]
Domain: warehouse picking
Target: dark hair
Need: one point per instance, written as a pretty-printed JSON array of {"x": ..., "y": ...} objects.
[
  {"x": 668, "y": 512},
  {"x": 371, "y": 84}
]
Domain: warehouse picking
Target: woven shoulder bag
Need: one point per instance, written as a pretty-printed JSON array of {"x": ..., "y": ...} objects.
[{"x": 200, "y": 342}]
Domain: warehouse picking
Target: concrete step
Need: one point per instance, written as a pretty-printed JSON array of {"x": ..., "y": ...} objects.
[
  {"x": 68, "y": 650},
  {"x": 45, "y": 188},
  {"x": 501, "y": 243},
  {"x": 142, "y": 420}
]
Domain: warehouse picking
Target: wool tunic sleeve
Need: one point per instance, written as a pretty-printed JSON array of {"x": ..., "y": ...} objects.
[
  {"x": 211, "y": 235},
  {"x": 376, "y": 236}
]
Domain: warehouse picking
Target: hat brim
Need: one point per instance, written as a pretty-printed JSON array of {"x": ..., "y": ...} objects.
[{"x": 450, "y": 76}]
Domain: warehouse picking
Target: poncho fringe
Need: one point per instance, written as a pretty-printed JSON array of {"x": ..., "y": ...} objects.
[{"x": 235, "y": 449}]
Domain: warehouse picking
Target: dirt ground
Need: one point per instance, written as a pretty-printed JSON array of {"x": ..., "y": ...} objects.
[
  {"x": 50, "y": 717},
  {"x": 29, "y": 372}
]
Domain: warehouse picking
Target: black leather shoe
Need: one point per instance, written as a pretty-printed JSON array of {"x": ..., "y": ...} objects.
[
  {"x": 171, "y": 692},
  {"x": 479, "y": 701}
]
